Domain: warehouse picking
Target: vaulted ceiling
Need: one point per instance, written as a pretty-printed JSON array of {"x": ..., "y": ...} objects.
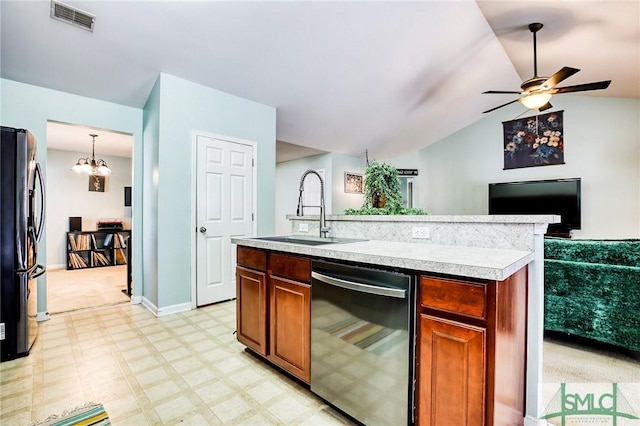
[{"x": 389, "y": 77}]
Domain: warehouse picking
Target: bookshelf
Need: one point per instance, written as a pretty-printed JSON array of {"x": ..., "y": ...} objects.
[{"x": 93, "y": 249}]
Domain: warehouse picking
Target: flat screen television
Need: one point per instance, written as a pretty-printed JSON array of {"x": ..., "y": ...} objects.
[{"x": 558, "y": 196}]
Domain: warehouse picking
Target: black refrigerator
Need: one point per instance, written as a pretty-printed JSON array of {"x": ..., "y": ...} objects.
[{"x": 21, "y": 226}]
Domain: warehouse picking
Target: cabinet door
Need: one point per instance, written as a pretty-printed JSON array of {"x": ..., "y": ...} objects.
[
  {"x": 251, "y": 309},
  {"x": 290, "y": 311},
  {"x": 451, "y": 374}
]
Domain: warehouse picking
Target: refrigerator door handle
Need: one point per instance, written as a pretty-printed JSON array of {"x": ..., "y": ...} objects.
[
  {"x": 43, "y": 202},
  {"x": 37, "y": 271},
  {"x": 30, "y": 267}
]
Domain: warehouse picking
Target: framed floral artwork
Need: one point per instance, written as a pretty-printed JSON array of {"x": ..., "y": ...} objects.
[
  {"x": 534, "y": 141},
  {"x": 353, "y": 182}
]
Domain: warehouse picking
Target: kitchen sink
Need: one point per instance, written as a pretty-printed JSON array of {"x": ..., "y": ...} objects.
[{"x": 307, "y": 240}]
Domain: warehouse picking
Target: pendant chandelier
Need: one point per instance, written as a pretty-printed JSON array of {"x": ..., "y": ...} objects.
[{"x": 89, "y": 165}]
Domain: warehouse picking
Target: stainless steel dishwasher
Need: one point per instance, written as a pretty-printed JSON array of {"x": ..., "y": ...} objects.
[{"x": 363, "y": 342}]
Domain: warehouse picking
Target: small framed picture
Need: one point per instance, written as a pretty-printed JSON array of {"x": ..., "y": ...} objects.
[
  {"x": 353, "y": 183},
  {"x": 96, "y": 183}
]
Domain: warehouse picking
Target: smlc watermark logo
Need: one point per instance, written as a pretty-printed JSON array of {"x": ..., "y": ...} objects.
[{"x": 591, "y": 403}]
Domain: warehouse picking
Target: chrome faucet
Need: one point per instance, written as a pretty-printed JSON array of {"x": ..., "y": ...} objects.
[{"x": 324, "y": 230}]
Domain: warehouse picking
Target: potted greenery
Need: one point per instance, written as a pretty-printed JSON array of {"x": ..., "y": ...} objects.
[{"x": 382, "y": 194}]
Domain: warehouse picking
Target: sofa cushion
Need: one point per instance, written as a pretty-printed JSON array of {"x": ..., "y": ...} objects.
[
  {"x": 596, "y": 301},
  {"x": 608, "y": 252}
]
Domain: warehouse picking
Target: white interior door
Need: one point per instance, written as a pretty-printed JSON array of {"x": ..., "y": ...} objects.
[{"x": 224, "y": 209}]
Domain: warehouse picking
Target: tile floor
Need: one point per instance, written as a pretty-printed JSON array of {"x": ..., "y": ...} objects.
[
  {"x": 185, "y": 368},
  {"x": 188, "y": 368}
]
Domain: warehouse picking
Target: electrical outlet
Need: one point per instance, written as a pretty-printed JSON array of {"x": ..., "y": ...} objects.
[
  {"x": 303, "y": 227},
  {"x": 420, "y": 232}
]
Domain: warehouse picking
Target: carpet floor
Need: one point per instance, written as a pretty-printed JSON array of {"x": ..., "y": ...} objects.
[
  {"x": 590, "y": 368},
  {"x": 85, "y": 288}
]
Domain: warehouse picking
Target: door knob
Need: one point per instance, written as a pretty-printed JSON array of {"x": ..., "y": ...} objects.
[{"x": 203, "y": 229}]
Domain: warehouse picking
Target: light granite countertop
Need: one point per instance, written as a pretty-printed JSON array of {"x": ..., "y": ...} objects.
[
  {"x": 501, "y": 219},
  {"x": 473, "y": 262}
]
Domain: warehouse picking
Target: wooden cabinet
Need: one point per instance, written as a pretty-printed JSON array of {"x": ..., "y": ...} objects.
[
  {"x": 452, "y": 372},
  {"x": 290, "y": 304},
  {"x": 472, "y": 351},
  {"x": 274, "y": 308},
  {"x": 290, "y": 328},
  {"x": 251, "y": 299}
]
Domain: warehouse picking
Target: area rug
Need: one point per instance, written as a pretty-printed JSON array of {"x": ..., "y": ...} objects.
[{"x": 86, "y": 415}]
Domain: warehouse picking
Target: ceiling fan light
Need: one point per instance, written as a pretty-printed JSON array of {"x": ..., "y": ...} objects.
[{"x": 536, "y": 100}]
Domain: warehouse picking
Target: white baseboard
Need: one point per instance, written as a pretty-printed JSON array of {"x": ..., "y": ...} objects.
[
  {"x": 150, "y": 306},
  {"x": 43, "y": 316},
  {"x": 167, "y": 310},
  {"x": 174, "y": 309},
  {"x": 136, "y": 300}
]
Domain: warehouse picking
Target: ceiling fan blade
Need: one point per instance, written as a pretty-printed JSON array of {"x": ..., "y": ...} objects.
[
  {"x": 559, "y": 76},
  {"x": 493, "y": 109},
  {"x": 598, "y": 85},
  {"x": 493, "y": 92},
  {"x": 545, "y": 107},
  {"x": 536, "y": 88}
]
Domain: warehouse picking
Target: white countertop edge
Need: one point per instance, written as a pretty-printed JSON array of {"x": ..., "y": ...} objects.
[
  {"x": 499, "y": 219},
  {"x": 419, "y": 259}
]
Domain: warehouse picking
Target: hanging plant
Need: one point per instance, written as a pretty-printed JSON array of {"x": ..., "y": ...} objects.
[
  {"x": 382, "y": 187},
  {"x": 382, "y": 195}
]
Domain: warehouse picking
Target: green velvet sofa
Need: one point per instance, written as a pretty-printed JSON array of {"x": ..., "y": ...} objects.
[{"x": 592, "y": 289}]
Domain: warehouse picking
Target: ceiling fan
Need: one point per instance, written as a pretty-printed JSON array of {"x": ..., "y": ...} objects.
[{"x": 537, "y": 91}]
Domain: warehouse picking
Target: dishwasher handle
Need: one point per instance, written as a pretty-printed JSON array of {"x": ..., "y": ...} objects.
[{"x": 363, "y": 288}]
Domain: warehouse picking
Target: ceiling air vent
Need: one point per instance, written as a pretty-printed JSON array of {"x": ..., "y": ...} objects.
[{"x": 72, "y": 16}]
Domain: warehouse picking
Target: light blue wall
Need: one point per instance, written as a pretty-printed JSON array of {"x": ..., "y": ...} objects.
[
  {"x": 161, "y": 166},
  {"x": 29, "y": 107},
  {"x": 184, "y": 107},
  {"x": 288, "y": 175},
  {"x": 341, "y": 200},
  {"x": 602, "y": 146},
  {"x": 288, "y": 188},
  {"x": 150, "y": 195},
  {"x": 410, "y": 161}
]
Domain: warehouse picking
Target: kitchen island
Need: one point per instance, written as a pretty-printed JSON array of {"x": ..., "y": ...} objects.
[
  {"x": 469, "y": 310},
  {"x": 519, "y": 232},
  {"x": 473, "y": 262}
]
